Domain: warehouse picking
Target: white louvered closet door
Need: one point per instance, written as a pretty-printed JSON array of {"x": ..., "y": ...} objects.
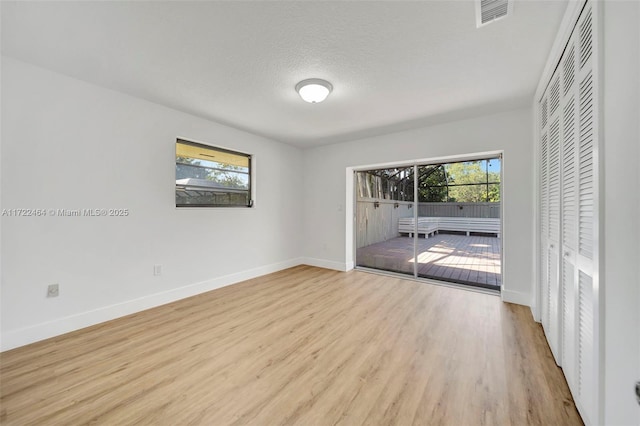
[
  {"x": 553, "y": 326},
  {"x": 544, "y": 214},
  {"x": 569, "y": 221},
  {"x": 568, "y": 262},
  {"x": 588, "y": 308}
]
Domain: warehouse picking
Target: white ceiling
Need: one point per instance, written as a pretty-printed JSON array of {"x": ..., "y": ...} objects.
[{"x": 393, "y": 65}]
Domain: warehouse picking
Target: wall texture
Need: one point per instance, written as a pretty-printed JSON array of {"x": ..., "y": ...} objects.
[
  {"x": 621, "y": 193},
  {"x": 71, "y": 145},
  {"x": 328, "y": 203}
]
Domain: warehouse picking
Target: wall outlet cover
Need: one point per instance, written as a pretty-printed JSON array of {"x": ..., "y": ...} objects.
[{"x": 53, "y": 290}]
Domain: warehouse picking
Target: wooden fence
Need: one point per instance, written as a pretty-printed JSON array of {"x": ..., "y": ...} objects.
[
  {"x": 379, "y": 223},
  {"x": 488, "y": 210}
]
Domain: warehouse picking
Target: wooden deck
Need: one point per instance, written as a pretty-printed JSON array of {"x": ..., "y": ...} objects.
[{"x": 468, "y": 260}]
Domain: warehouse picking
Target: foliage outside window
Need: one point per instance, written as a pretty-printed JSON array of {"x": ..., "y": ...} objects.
[
  {"x": 211, "y": 177},
  {"x": 390, "y": 184},
  {"x": 463, "y": 182}
]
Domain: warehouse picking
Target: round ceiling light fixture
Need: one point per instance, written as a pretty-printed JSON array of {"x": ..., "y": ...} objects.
[{"x": 314, "y": 90}]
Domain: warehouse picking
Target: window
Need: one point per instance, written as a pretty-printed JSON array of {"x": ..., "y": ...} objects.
[
  {"x": 211, "y": 177},
  {"x": 475, "y": 181},
  {"x": 465, "y": 182}
]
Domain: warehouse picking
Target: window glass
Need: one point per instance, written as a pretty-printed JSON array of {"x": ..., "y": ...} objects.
[{"x": 211, "y": 177}]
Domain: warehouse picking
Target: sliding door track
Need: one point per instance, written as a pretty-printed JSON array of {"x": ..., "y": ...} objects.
[{"x": 475, "y": 287}]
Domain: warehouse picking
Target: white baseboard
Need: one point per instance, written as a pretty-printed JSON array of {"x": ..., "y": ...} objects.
[
  {"x": 34, "y": 333},
  {"x": 327, "y": 264},
  {"x": 517, "y": 297},
  {"x": 534, "y": 314}
]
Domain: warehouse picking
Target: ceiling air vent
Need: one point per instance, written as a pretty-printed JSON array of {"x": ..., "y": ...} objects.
[{"x": 488, "y": 11}]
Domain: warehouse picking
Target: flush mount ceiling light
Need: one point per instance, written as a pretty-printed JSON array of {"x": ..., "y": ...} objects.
[{"x": 314, "y": 90}]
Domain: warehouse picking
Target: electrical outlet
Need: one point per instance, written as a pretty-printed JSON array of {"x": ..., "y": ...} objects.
[
  {"x": 157, "y": 270},
  {"x": 53, "y": 290}
]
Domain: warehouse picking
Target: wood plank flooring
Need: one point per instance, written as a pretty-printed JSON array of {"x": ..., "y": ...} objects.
[
  {"x": 458, "y": 258},
  {"x": 302, "y": 346}
]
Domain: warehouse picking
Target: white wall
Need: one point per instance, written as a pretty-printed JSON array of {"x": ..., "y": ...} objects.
[
  {"x": 622, "y": 211},
  {"x": 325, "y": 207},
  {"x": 68, "y": 144}
]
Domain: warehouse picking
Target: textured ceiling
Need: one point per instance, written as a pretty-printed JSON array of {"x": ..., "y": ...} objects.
[{"x": 394, "y": 65}]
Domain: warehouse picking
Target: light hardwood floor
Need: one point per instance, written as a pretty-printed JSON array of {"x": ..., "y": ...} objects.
[{"x": 303, "y": 346}]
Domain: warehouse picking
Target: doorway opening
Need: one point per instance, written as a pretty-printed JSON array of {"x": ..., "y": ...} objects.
[{"x": 439, "y": 221}]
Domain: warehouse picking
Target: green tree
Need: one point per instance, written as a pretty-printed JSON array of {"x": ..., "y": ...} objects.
[
  {"x": 462, "y": 182},
  {"x": 224, "y": 174},
  {"x": 476, "y": 185},
  {"x": 432, "y": 183}
]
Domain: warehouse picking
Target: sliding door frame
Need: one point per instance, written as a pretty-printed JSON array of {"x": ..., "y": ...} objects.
[{"x": 352, "y": 214}]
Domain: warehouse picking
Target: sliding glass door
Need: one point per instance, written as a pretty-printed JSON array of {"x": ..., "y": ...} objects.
[
  {"x": 438, "y": 221},
  {"x": 384, "y": 213}
]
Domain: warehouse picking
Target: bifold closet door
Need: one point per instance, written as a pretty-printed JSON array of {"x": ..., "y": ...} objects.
[
  {"x": 550, "y": 196},
  {"x": 553, "y": 325},
  {"x": 543, "y": 212},
  {"x": 569, "y": 223},
  {"x": 587, "y": 254},
  {"x": 568, "y": 214}
]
